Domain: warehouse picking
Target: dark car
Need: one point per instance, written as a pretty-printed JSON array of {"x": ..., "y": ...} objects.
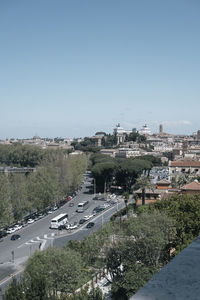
[
  {"x": 90, "y": 225},
  {"x": 61, "y": 227},
  {"x": 82, "y": 221},
  {"x": 3, "y": 233},
  {"x": 15, "y": 237},
  {"x": 71, "y": 204}
]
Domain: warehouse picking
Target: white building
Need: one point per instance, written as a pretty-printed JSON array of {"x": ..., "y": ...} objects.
[{"x": 145, "y": 130}]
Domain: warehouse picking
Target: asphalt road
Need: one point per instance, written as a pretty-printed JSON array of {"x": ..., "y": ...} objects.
[{"x": 14, "y": 254}]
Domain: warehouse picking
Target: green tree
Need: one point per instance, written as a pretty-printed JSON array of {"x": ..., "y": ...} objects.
[
  {"x": 18, "y": 195},
  {"x": 58, "y": 270},
  {"x": 5, "y": 204},
  {"x": 144, "y": 183},
  {"x": 14, "y": 291}
]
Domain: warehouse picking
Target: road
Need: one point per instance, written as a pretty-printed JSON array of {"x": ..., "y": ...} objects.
[{"x": 14, "y": 254}]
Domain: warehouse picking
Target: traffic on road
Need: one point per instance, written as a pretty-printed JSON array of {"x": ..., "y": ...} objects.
[{"x": 21, "y": 240}]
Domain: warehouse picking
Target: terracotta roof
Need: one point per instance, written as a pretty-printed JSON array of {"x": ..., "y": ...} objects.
[
  {"x": 194, "y": 186},
  {"x": 185, "y": 163}
]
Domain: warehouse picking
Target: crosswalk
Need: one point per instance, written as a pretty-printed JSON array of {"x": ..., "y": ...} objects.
[{"x": 39, "y": 239}]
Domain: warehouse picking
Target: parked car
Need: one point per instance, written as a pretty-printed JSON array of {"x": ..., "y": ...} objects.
[
  {"x": 30, "y": 221},
  {"x": 61, "y": 227},
  {"x": 3, "y": 233},
  {"x": 18, "y": 227},
  {"x": 25, "y": 223},
  {"x": 10, "y": 230},
  {"x": 90, "y": 225},
  {"x": 71, "y": 226},
  {"x": 82, "y": 221},
  {"x": 15, "y": 237},
  {"x": 86, "y": 217}
]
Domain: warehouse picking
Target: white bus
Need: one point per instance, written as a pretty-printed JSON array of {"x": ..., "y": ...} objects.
[
  {"x": 58, "y": 221},
  {"x": 82, "y": 206}
]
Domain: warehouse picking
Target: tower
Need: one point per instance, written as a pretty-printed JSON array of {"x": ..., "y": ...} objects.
[{"x": 160, "y": 128}]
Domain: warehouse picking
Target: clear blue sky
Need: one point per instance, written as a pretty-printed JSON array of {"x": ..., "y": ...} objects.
[{"x": 73, "y": 67}]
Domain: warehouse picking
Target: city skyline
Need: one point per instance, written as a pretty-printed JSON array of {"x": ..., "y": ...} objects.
[{"x": 71, "y": 69}]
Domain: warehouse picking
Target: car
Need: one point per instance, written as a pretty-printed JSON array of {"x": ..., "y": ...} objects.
[
  {"x": 82, "y": 221},
  {"x": 24, "y": 224},
  {"x": 90, "y": 225},
  {"x": 15, "y": 237},
  {"x": 3, "y": 233},
  {"x": 61, "y": 227},
  {"x": 71, "y": 226},
  {"x": 97, "y": 209},
  {"x": 86, "y": 217},
  {"x": 50, "y": 212},
  {"x": 18, "y": 227},
  {"x": 71, "y": 204},
  {"x": 10, "y": 230},
  {"x": 40, "y": 216},
  {"x": 30, "y": 221}
]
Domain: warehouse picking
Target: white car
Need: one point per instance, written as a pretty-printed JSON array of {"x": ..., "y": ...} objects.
[
  {"x": 87, "y": 217},
  {"x": 10, "y": 230},
  {"x": 71, "y": 226},
  {"x": 30, "y": 221},
  {"x": 17, "y": 227}
]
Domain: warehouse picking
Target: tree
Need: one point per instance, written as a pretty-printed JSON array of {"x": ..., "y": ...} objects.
[
  {"x": 18, "y": 195},
  {"x": 57, "y": 270},
  {"x": 144, "y": 183},
  {"x": 139, "y": 251},
  {"x": 5, "y": 204},
  {"x": 129, "y": 170},
  {"x": 14, "y": 291}
]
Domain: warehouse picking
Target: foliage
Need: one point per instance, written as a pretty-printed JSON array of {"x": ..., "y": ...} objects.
[
  {"x": 139, "y": 251},
  {"x": 133, "y": 250},
  {"x": 85, "y": 294},
  {"x": 21, "y": 155},
  {"x": 185, "y": 210},
  {"x": 87, "y": 145},
  {"x": 55, "y": 177},
  {"x": 14, "y": 291},
  {"x": 57, "y": 270},
  {"x": 109, "y": 141},
  {"x": 156, "y": 161},
  {"x": 131, "y": 282},
  {"x": 121, "y": 172},
  {"x": 5, "y": 204}
]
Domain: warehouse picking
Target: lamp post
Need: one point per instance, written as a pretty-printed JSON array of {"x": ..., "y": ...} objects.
[{"x": 94, "y": 186}]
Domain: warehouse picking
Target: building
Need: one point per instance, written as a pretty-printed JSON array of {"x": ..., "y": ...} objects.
[
  {"x": 153, "y": 193},
  {"x": 121, "y": 133},
  {"x": 198, "y": 135},
  {"x": 191, "y": 188},
  {"x": 127, "y": 153},
  {"x": 145, "y": 130},
  {"x": 189, "y": 167},
  {"x": 160, "y": 129},
  {"x": 109, "y": 152}
]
